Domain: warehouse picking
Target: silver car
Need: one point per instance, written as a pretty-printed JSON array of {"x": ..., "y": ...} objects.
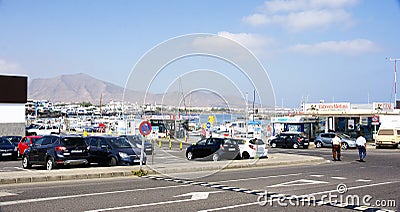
[{"x": 325, "y": 140}]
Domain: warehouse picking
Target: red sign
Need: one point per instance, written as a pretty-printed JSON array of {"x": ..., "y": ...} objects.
[
  {"x": 145, "y": 128},
  {"x": 375, "y": 118}
]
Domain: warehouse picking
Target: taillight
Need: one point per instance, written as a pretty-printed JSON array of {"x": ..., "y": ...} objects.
[
  {"x": 222, "y": 147},
  {"x": 252, "y": 146},
  {"x": 299, "y": 139},
  {"x": 61, "y": 148}
]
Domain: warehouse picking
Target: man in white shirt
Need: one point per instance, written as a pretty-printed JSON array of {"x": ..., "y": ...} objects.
[
  {"x": 361, "y": 145},
  {"x": 336, "y": 147}
]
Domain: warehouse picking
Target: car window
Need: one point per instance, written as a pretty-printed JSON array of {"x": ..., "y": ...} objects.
[
  {"x": 40, "y": 141},
  {"x": 73, "y": 141},
  {"x": 398, "y": 132},
  {"x": 120, "y": 143},
  {"x": 256, "y": 142},
  {"x": 386, "y": 132},
  {"x": 4, "y": 141},
  {"x": 240, "y": 141},
  {"x": 47, "y": 140},
  {"x": 33, "y": 140},
  {"x": 211, "y": 141},
  {"x": 201, "y": 142}
]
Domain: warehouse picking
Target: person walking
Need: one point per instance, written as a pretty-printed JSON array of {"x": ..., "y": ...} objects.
[
  {"x": 361, "y": 145},
  {"x": 336, "y": 147}
]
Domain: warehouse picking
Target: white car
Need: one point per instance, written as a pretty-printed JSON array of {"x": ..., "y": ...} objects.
[{"x": 248, "y": 148}]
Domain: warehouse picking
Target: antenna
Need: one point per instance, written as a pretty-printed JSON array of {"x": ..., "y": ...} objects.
[{"x": 395, "y": 78}]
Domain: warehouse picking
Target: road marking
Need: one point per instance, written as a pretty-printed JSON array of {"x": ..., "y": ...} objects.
[
  {"x": 317, "y": 175},
  {"x": 363, "y": 180},
  {"x": 194, "y": 196},
  {"x": 257, "y": 178},
  {"x": 339, "y": 178},
  {"x": 297, "y": 183},
  {"x": 4, "y": 194},
  {"x": 24, "y": 201},
  {"x": 306, "y": 195}
]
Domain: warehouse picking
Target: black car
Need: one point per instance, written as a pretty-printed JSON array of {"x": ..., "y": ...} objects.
[
  {"x": 214, "y": 148},
  {"x": 136, "y": 140},
  {"x": 55, "y": 150},
  {"x": 7, "y": 149},
  {"x": 14, "y": 139},
  {"x": 109, "y": 150},
  {"x": 290, "y": 140}
]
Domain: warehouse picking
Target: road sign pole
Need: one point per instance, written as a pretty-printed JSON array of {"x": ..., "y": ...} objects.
[{"x": 142, "y": 153}]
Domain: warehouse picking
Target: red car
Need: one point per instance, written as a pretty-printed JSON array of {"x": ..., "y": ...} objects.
[{"x": 24, "y": 143}]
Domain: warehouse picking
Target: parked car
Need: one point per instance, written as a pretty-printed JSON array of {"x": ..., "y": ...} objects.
[
  {"x": 252, "y": 147},
  {"x": 325, "y": 140},
  {"x": 109, "y": 150},
  {"x": 24, "y": 143},
  {"x": 14, "y": 139},
  {"x": 7, "y": 149},
  {"x": 290, "y": 140},
  {"x": 55, "y": 150},
  {"x": 44, "y": 130},
  {"x": 136, "y": 140},
  {"x": 215, "y": 148},
  {"x": 387, "y": 137}
]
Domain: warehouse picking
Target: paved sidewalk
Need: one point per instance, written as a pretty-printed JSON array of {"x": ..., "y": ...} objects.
[{"x": 32, "y": 175}]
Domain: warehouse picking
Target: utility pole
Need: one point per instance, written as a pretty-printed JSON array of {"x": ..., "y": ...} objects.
[{"x": 395, "y": 78}]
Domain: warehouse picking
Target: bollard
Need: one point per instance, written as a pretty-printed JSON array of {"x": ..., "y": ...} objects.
[
  {"x": 159, "y": 143},
  {"x": 180, "y": 146},
  {"x": 170, "y": 144}
]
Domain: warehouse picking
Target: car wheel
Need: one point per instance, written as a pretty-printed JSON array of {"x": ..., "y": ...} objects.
[
  {"x": 50, "y": 164},
  {"x": 245, "y": 155},
  {"x": 295, "y": 146},
  {"x": 318, "y": 144},
  {"x": 345, "y": 146},
  {"x": 273, "y": 145},
  {"x": 189, "y": 156},
  {"x": 25, "y": 163},
  {"x": 215, "y": 157},
  {"x": 377, "y": 147},
  {"x": 112, "y": 162}
]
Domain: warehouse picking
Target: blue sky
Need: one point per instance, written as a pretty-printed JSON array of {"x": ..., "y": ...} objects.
[{"x": 311, "y": 49}]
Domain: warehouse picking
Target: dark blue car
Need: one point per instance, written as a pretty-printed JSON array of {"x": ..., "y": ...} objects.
[
  {"x": 112, "y": 151},
  {"x": 7, "y": 149}
]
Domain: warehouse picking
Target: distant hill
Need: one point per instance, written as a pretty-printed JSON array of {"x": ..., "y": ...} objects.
[{"x": 84, "y": 88}]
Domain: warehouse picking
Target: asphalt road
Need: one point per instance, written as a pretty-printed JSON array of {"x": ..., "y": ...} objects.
[{"x": 374, "y": 183}]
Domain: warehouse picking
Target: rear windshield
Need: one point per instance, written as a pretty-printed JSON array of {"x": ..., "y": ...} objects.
[
  {"x": 385, "y": 132},
  {"x": 240, "y": 141},
  {"x": 229, "y": 141},
  {"x": 257, "y": 142},
  {"x": 73, "y": 141}
]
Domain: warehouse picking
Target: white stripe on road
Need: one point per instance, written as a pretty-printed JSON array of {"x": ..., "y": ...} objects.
[
  {"x": 24, "y": 201},
  {"x": 257, "y": 178},
  {"x": 4, "y": 193},
  {"x": 363, "y": 180},
  {"x": 339, "y": 178},
  {"x": 317, "y": 175},
  {"x": 306, "y": 195}
]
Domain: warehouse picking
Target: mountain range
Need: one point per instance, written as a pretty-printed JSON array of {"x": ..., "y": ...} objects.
[{"x": 84, "y": 88}]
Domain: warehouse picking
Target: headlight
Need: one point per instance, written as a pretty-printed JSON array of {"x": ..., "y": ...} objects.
[
  {"x": 123, "y": 155},
  {"x": 15, "y": 149}
]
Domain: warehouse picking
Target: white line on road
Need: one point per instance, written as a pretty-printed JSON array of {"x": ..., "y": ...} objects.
[
  {"x": 306, "y": 195},
  {"x": 24, "y": 201},
  {"x": 363, "y": 180},
  {"x": 257, "y": 178},
  {"x": 317, "y": 175},
  {"x": 339, "y": 178}
]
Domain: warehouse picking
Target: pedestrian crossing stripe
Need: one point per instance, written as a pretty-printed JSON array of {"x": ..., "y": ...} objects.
[{"x": 270, "y": 194}]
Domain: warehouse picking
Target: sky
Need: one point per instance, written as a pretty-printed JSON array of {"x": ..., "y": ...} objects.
[{"x": 311, "y": 50}]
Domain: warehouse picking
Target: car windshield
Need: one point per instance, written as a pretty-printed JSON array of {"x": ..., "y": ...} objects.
[
  {"x": 4, "y": 142},
  {"x": 73, "y": 141},
  {"x": 120, "y": 143}
]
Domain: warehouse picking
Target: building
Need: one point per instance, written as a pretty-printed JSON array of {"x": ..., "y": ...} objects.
[{"x": 13, "y": 96}]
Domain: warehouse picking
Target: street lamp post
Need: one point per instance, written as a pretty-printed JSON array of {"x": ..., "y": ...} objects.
[{"x": 395, "y": 78}]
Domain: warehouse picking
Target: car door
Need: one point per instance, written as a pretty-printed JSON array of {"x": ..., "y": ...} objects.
[
  {"x": 42, "y": 150},
  {"x": 199, "y": 149},
  {"x": 328, "y": 139},
  {"x": 211, "y": 147},
  {"x": 289, "y": 140}
]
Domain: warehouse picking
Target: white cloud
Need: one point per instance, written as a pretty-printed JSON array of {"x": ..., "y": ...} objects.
[
  {"x": 356, "y": 46},
  {"x": 252, "y": 41},
  {"x": 7, "y": 67},
  {"x": 300, "y": 15}
]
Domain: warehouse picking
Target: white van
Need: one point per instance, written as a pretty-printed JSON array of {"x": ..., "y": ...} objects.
[{"x": 387, "y": 137}]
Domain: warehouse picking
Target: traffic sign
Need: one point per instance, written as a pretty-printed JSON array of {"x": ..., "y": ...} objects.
[
  {"x": 208, "y": 125},
  {"x": 375, "y": 119},
  {"x": 145, "y": 128}
]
